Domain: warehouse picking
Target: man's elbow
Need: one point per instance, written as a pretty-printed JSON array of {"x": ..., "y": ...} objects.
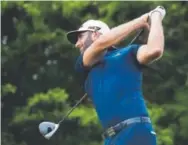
[
  {"x": 152, "y": 56},
  {"x": 93, "y": 53},
  {"x": 156, "y": 53}
]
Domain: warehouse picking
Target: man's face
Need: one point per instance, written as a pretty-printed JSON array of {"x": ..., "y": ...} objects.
[{"x": 84, "y": 40}]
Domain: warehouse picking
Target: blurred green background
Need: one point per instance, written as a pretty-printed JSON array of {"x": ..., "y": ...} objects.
[{"x": 39, "y": 82}]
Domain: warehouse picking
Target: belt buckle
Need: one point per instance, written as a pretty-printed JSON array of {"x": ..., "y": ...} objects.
[{"x": 110, "y": 131}]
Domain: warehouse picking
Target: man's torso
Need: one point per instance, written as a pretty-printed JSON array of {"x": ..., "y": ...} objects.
[{"x": 115, "y": 87}]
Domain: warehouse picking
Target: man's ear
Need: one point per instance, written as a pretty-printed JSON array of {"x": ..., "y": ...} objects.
[{"x": 95, "y": 35}]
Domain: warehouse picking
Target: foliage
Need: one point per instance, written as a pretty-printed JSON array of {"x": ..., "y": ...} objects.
[{"x": 39, "y": 82}]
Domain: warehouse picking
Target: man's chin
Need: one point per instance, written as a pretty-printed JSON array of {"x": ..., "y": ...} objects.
[{"x": 82, "y": 51}]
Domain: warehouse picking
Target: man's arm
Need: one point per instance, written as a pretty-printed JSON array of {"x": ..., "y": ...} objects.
[
  {"x": 111, "y": 38},
  {"x": 155, "y": 45}
]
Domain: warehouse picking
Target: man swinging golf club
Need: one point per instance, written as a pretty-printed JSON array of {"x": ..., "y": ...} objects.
[{"x": 114, "y": 80}]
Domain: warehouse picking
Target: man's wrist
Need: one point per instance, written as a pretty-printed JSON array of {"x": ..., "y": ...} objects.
[
  {"x": 140, "y": 23},
  {"x": 156, "y": 15}
]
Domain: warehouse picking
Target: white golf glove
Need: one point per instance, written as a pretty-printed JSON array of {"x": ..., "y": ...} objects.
[{"x": 159, "y": 9}]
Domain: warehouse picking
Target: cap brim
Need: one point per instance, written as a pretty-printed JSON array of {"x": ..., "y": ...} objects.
[{"x": 72, "y": 36}]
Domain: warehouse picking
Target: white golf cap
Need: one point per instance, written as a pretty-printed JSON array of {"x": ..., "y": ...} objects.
[{"x": 90, "y": 25}]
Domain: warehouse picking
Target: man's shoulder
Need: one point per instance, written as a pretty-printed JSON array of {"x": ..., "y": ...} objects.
[
  {"x": 132, "y": 46},
  {"x": 125, "y": 49}
]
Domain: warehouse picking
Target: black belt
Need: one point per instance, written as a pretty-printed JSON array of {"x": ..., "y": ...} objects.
[{"x": 118, "y": 127}]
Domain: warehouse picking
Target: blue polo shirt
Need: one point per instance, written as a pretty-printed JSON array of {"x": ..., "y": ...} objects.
[{"x": 115, "y": 86}]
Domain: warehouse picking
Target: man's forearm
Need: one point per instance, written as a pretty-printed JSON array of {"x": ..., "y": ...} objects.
[
  {"x": 118, "y": 33},
  {"x": 156, "y": 36}
]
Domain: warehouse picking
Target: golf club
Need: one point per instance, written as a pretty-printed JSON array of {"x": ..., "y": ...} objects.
[{"x": 47, "y": 129}]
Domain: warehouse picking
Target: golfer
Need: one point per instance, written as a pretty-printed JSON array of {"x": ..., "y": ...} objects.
[{"x": 114, "y": 76}]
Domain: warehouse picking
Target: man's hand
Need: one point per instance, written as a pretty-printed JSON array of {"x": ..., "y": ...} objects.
[
  {"x": 160, "y": 10},
  {"x": 146, "y": 18}
]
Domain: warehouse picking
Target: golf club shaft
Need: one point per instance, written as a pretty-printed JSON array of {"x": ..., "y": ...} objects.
[
  {"x": 138, "y": 34},
  {"x": 67, "y": 114}
]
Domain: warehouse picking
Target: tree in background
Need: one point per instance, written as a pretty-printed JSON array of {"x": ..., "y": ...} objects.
[{"x": 39, "y": 82}]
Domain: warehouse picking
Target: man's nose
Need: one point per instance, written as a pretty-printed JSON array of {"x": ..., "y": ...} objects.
[{"x": 78, "y": 44}]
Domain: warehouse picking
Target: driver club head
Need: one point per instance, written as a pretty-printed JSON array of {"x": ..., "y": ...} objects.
[{"x": 47, "y": 129}]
